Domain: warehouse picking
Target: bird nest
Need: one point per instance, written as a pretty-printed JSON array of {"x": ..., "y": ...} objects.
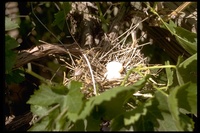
[{"x": 91, "y": 67}]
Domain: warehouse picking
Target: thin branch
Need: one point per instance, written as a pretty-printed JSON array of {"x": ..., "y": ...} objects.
[
  {"x": 43, "y": 24},
  {"x": 37, "y": 52},
  {"x": 95, "y": 90}
]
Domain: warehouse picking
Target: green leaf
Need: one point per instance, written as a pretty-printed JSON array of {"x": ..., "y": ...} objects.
[
  {"x": 16, "y": 76},
  {"x": 169, "y": 26},
  {"x": 169, "y": 73},
  {"x": 41, "y": 126},
  {"x": 187, "y": 97},
  {"x": 11, "y": 43},
  {"x": 66, "y": 7},
  {"x": 73, "y": 101},
  {"x": 10, "y": 25},
  {"x": 117, "y": 123},
  {"x": 109, "y": 103},
  {"x": 92, "y": 124},
  {"x": 183, "y": 122},
  {"x": 59, "y": 89},
  {"x": 134, "y": 115},
  {"x": 59, "y": 20},
  {"x": 158, "y": 116},
  {"x": 186, "y": 39},
  {"x": 10, "y": 59},
  {"x": 187, "y": 70},
  {"x": 78, "y": 126},
  {"x": 60, "y": 17},
  {"x": 39, "y": 110},
  {"x": 10, "y": 55},
  {"x": 44, "y": 97}
]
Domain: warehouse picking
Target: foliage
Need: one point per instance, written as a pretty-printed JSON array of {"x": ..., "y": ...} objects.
[
  {"x": 15, "y": 76},
  {"x": 60, "y": 16},
  {"x": 64, "y": 107}
]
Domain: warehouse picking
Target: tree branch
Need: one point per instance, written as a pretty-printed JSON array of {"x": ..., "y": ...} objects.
[{"x": 26, "y": 56}]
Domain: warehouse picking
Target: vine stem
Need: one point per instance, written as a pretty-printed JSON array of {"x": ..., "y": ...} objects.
[
  {"x": 37, "y": 76},
  {"x": 155, "y": 67},
  {"x": 134, "y": 69}
]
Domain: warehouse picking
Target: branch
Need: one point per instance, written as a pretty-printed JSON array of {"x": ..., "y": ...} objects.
[{"x": 26, "y": 56}]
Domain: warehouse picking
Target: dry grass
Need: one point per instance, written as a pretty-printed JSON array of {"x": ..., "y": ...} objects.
[{"x": 90, "y": 68}]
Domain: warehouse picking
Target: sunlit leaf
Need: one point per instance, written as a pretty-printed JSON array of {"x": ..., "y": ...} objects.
[
  {"x": 109, "y": 103},
  {"x": 10, "y": 25},
  {"x": 133, "y": 116},
  {"x": 73, "y": 101},
  {"x": 186, "y": 39},
  {"x": 41, "y": 126},
  {"x": 187, "y": 70},
  {"x": 39, "y": 110},
  {"x": 169, "y": 73},
  {"x": 44, "y": 96},
  {"x": 158, "y": 116},
  {"x": 174, "y": 106}
]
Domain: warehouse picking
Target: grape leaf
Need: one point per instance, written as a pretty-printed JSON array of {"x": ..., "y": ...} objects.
[
  {"x": 11, "y": 43},
  {"x": 169, "y": 74},
  {"x": 92, "y": 124},
  {"x": 10, "y": 25},
  {"x": 45, "y": 97},
  {"x": 73, "y": 100},
  {"x": 134, "y": 115},
  {"x": 187, "y": 97},
  {"x": 78, "y": 126},
  {"x": 41, "y": 126},
  {"x": 59, "y": 89},
  {"x": 187, "y": 39},
  {"x": 15, "y": 76},
  {"x": 39, "y": 110},
  {"x": 66, "y": 7},
  {"x": 10, "y": 55},
  {"x": 109, "y": 102},
  {"x": 187, "y": 70},
  {"x": 59, "y": 20},
  {"x": 158, "y": 116},
  {"x": 61, "y": 15},
  {"x": 117, "y": 123},
  {"x": 183, "y": 122}
]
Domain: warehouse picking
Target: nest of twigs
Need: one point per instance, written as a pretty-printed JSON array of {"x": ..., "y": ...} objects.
[{"x": 90, "y": 68}]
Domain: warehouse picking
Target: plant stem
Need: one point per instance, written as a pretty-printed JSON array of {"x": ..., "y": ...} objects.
[
  {"x": 155, "y": 67},
  {"x": 37, "y": 76}
]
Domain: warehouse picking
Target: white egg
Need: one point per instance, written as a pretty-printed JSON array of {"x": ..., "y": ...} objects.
[
  {"x": 110, "y": 75},
  {"x": 114, "y": 70},
  {"x": 114, "y": 66}
]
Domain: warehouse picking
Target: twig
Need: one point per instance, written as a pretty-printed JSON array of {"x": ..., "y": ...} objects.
[
  {"x": 95, "y": 90},
  {"x": 43, "y": 24}
]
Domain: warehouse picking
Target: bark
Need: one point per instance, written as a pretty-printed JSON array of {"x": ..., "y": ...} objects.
[{"x": 26, "y": 56}]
